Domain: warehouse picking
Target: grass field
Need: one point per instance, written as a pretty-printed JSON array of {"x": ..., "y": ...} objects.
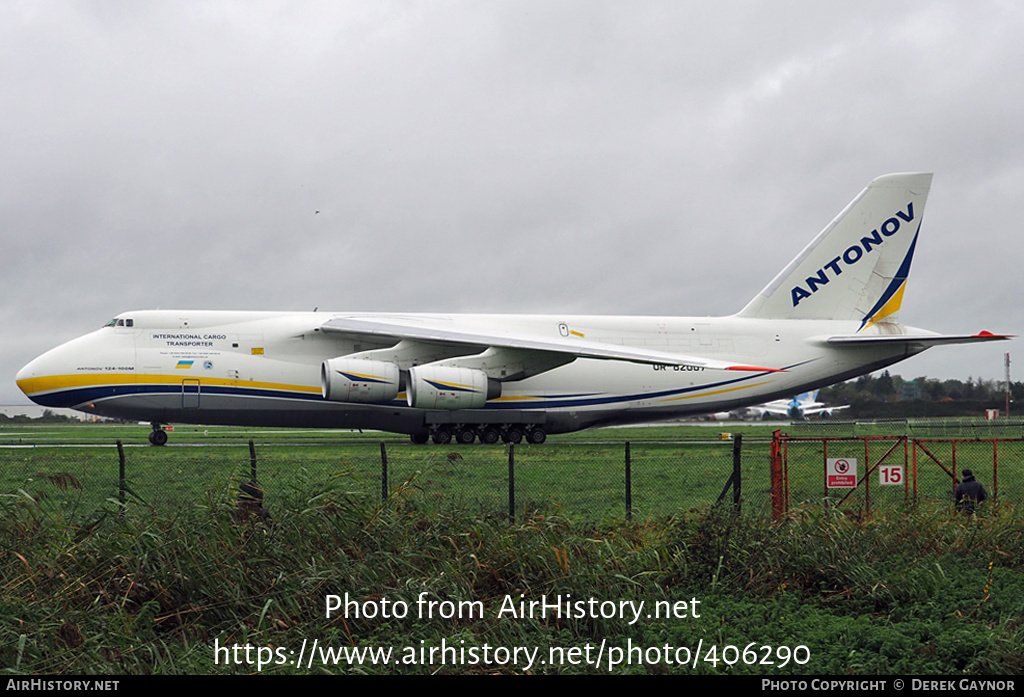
[
  {"x": 202, "y": 590},
  {"x": 136, "y": 434},
  {"x": 587, "y": 478},
  {"x": 674, "y": 469}
]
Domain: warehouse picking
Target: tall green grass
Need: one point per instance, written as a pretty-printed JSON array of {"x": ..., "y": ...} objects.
[{"x": 915, "y": 591}]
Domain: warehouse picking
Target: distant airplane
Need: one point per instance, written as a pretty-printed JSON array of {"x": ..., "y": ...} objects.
[
  {"x": 799, "y": 407},
  {"x": 827, "y": 317}
]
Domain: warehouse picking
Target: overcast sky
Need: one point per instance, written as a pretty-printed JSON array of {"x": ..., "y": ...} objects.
[{"x": 524, "y": 156}]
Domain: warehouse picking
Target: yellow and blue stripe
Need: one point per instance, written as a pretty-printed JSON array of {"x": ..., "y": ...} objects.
[{"x": 890, "y": 301}]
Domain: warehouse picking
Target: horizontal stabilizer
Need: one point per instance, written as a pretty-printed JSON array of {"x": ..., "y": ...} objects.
[{"x": 922, "y": 340}]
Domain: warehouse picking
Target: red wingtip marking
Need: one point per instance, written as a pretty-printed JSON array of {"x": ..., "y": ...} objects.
[
  {"x": 986, "y": 334},
  {"x": 755, "y": 369}
]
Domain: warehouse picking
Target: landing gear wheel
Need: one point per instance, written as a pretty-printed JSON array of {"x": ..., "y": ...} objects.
[
  {"x": 490, "y": 436},
  {"x": 536, "y": 436},
  {"x": 513, "y": 434},
  {"x": 466, "y": 435},
  {"x": 442, "y": 436},
  {"x": 158, "y": 436},
  {"x": 419, "y": 438}
]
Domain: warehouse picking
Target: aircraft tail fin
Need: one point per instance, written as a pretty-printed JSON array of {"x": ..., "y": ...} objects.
[
  {"x": 857, "y": 267},
  {"x": 811, "y": 396}
]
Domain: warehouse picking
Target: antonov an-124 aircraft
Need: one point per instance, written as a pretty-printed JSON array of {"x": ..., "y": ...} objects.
[{"x": 826, "y": 317}]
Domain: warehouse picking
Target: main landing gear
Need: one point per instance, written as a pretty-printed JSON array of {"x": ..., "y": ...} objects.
[
  {"x": 464, "y": 434},
  {"x": 158, "y": 436}
]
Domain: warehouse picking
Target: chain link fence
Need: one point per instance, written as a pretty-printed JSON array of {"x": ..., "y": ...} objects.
[
  {"x": 596, "y": 481},
  {"x": 583, "y": 480}
]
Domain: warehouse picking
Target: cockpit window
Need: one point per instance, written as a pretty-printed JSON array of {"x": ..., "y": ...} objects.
[
  {"x": 120, "y": 323},
  {"x": 111, "y": 323}
]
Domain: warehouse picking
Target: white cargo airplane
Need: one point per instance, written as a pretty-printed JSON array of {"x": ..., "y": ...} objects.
[
  {"x": 800, "y": 407},
  {"x": 828, "y": 316}
]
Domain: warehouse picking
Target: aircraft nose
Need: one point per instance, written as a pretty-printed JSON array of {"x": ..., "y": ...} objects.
[
  {"x": 45, "y": 379},
  {"x": 68, "y": 375},
  {"x": 23, "y": 374},
  {"x": 29, "y": 379}
]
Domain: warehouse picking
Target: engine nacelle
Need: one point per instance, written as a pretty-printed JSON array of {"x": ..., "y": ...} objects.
[
  {"x": 449, "y": 387},
  {"x": 359, "y": 380}
]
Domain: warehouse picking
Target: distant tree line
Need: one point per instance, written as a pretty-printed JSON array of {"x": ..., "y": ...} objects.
[
  {"x": 892, "y": 396},
  {"x": 48, "y": 417}
]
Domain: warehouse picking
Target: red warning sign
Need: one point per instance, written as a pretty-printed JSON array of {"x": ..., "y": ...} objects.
[{"x": 841, "y": 472}]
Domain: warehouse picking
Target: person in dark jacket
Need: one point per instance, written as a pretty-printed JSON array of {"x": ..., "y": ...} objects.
[{"x": 969, "y": 493}]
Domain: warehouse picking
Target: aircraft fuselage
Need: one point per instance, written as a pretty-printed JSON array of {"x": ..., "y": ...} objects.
[{"x": 264, "y": 369}]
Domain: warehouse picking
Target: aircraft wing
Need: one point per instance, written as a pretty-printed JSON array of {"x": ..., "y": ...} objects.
[
  {"x": 922, "y": 340},
  {"x": 817, "y": 410},
  {"x": 428, "y": 331},
  {"x": 771, "y": 409}
]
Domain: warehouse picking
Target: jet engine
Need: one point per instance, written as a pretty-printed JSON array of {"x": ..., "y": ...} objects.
[
  {"x": 359, "y": 380},
  {"x": 449, "y": 387}
]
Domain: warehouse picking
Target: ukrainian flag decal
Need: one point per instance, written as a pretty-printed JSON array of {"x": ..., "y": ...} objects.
[{"x": 184, "y": 365}]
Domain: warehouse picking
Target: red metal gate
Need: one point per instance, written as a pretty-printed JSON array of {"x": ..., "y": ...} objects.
[{"x": 896, "y": 469}]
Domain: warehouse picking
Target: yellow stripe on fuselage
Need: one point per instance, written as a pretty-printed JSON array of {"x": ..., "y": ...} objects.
[
  {"x": 714, "y": 392},
  {"x": 56, "y": 383}
]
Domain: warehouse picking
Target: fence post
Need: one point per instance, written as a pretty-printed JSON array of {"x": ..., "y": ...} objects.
[
  {"x": 734, "y": 478},
  {"x": 252, "y": 461},
  {"x": 737, "y": 459},
  {"x": 629, "y": 484},
  {"x": 383, "y": 473},
  {"x": 778, "y": 500},
  {"x": 955, "y": 480},
  {"x": 511, "y": 482},
  {"x": 121, "y": 482}
]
